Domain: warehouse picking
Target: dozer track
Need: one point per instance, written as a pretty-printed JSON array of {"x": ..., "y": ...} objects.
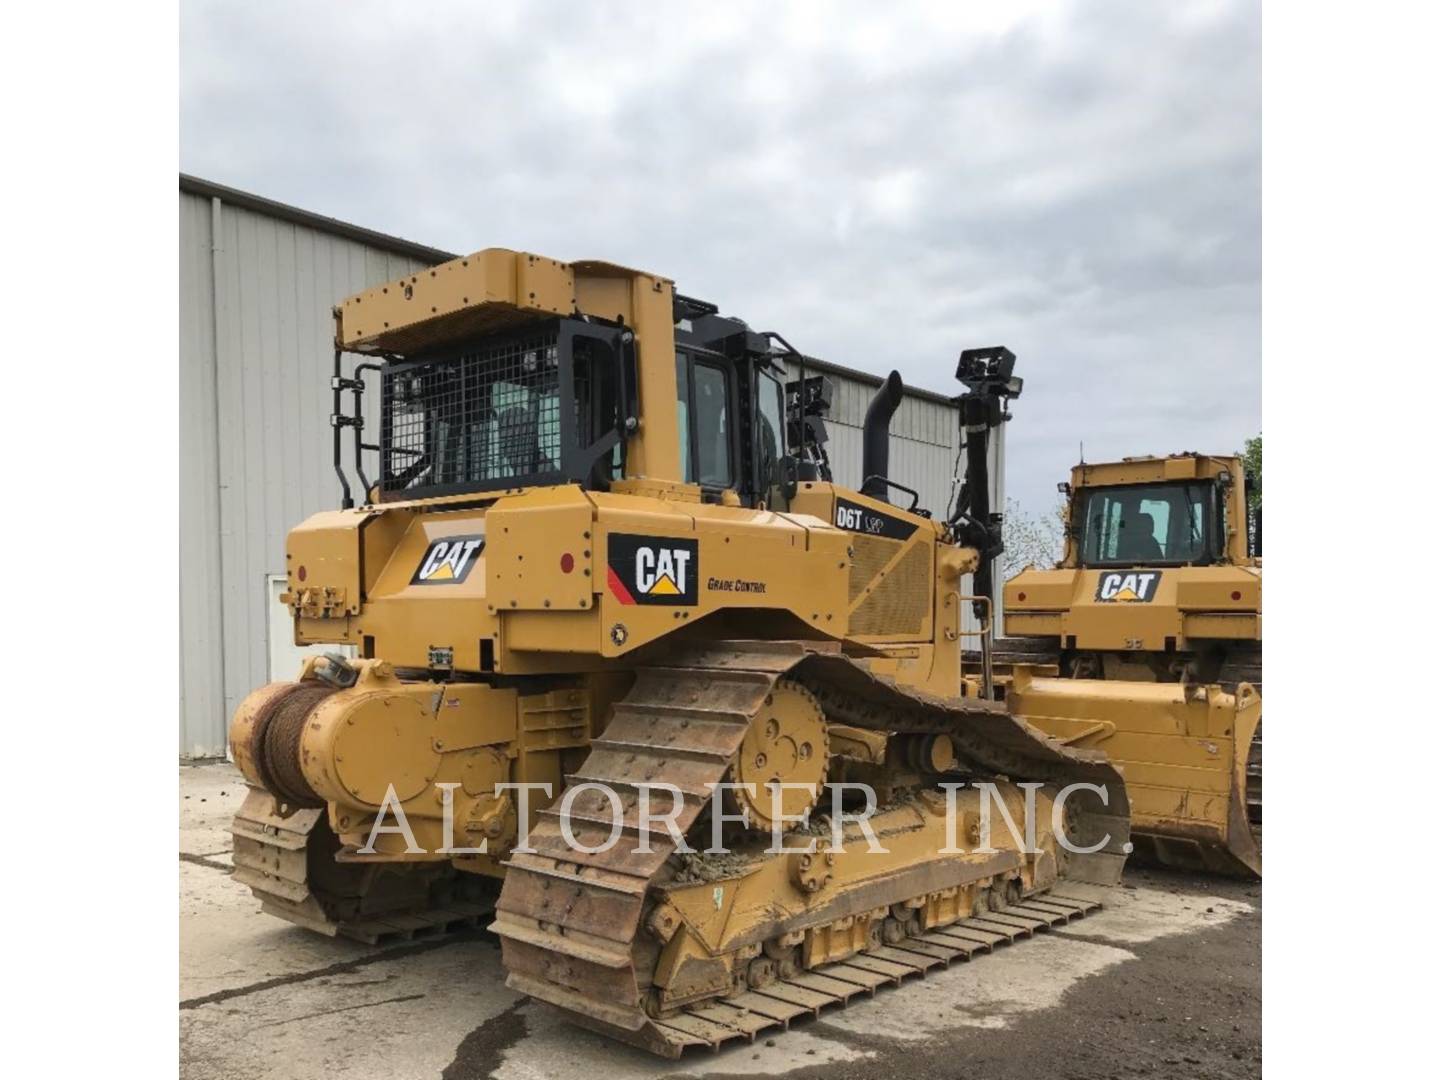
[
  {"x": 1252, "y": 784},
  {"x": 287, "y": 858},
  {"x": 579, "y": 930},
  {"x": 1243, "y": 663},
  {"x": 808, "y": 994}
]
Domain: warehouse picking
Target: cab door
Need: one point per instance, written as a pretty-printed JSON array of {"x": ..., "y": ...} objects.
[{"x": 705, "y": 391}]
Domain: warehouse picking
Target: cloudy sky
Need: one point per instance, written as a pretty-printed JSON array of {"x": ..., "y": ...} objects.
[{"x": 885, "y": 184}]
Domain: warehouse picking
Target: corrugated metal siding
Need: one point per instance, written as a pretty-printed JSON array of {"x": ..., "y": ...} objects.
[
  {"x": 255, "y": 333},
  {"x": 255, "y": 357},
  {"x": 923, "y": 439},
  {"x": 202, "y": 691}
]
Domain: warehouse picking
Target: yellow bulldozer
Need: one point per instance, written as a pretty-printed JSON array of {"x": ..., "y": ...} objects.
[
  {"x": 1159, "y": 583},
  {"x": 626, "y": 667}
]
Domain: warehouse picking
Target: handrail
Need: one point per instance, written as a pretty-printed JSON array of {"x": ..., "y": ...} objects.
[{"x": 986, "y": 633}]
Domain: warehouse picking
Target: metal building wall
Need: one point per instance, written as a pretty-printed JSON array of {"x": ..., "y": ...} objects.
[
  {"x": 257, "y": 282},
  {"x": 924, "y": 434},
  {"x": 255, "y": 356}
]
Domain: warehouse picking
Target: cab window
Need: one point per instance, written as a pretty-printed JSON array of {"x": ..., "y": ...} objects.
[
  {"x": 712, "y": 429},
  {"x": 770, "y": 397},
  {"x": 1152, "y": 523},
  {"x": 703, "y": 411}
]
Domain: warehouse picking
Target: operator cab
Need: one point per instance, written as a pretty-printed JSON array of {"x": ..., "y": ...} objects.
[
  {"x": 730, "y": 404},
  {"x": 540, "y": 384},
  {"x": 556, "y": 401},
  {"x": 714, "y": 447},
  {"x": 1182, "y": 510}
]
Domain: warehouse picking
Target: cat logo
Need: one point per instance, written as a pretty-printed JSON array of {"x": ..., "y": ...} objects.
[
  {"x": 448, "y": 561},
  {"x": 1127, "y": 587},
  {"x": 653, "y": 569}
]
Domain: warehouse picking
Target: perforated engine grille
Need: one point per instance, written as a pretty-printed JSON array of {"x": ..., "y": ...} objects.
[
  {"x": 871, "y": 555},
  {"x": 900, "y": 600}
]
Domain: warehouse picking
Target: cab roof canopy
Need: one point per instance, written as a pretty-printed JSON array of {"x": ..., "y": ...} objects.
[{"x": 476, "y": 295}]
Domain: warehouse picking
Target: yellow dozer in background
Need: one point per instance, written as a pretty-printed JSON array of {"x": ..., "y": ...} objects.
[
  {"x": 1160, "y": 583},
  {"x": 598, "y": 552}
]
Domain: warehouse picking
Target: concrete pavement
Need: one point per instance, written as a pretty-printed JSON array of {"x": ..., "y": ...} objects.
[{"x": 1165, "y": 980}]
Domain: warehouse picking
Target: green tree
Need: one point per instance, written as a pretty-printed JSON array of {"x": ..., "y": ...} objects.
[
  {"x": 1252, "y": 470},
  {"x": 1251, "y": 457}
]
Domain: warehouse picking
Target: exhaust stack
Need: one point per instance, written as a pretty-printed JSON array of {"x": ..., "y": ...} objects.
[{"x": 875, "y": 461}]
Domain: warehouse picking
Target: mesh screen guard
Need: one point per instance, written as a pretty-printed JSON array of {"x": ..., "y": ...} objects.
[{"x": 533, "y": 407}]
